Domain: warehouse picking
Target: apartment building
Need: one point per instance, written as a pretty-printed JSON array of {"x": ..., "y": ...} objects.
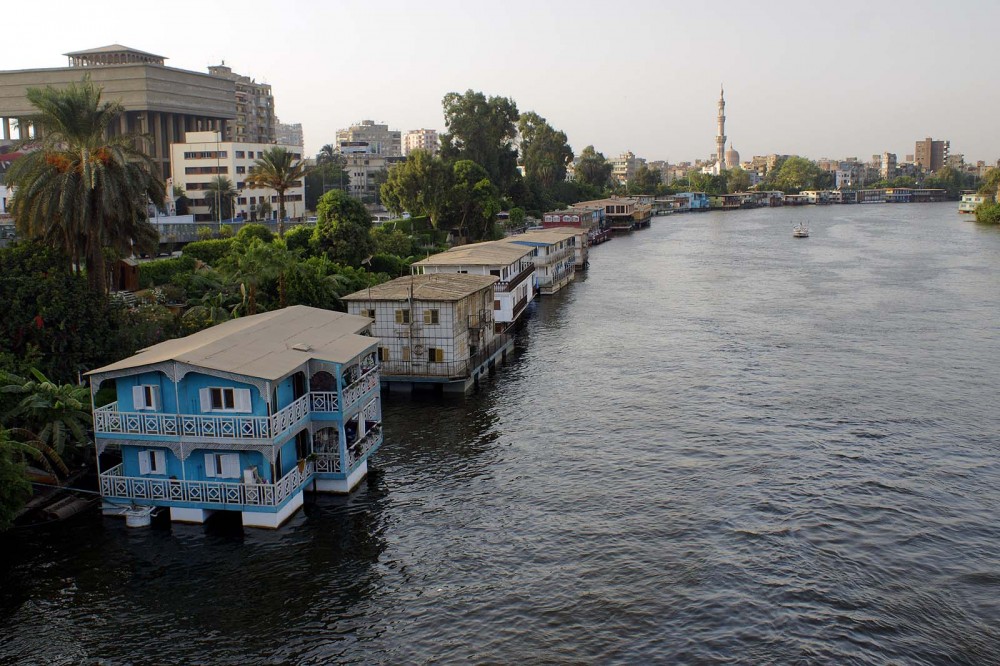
[
  {"x": 421, "y": 139},
  {"x": 255, "y": 120},
  {"x": 379, "y": 138}
]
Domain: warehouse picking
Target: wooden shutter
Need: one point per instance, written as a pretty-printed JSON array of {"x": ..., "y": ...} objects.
[
  {"x": 439, "y": 355},
  {"x": 159, "y": 465},
  {"x": 138, "y": 397},
  {"x": 241, "y": 401},
  {"x": 406, "y": 353},
  {"x": 209, "y": 463},
  {"x": 205, "y": 396},
  {"x": 230, "y": 465},
  {"x": 154, "y": 393},
  {"x": 144, "y": 462}
]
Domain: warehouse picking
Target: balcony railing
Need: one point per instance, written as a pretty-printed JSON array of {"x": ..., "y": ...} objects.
[
  {"x": 362, "y": 446},
  {"x": 108, "y": 420},
  {"x": 514, "y": 282},
  {"x": 115, "y": 485}
]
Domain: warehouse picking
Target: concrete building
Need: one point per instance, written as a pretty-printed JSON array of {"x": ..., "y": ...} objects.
[
  {"x": 435, "y": 330},
  {"x": 160, "y": 101},
  {"x": 364, "y": 169},
  {"x": 380, "y": 139},
  {"x": 288, "y": 134},
  {"x": 421, "y": 139},
  {"x": 255, "y": 121},
  {"x": 887, "y": 166},
  {"x": 931, "y": 155},
  {"x": 204, "y": 155},
  {"x": 624, "y": 166}
]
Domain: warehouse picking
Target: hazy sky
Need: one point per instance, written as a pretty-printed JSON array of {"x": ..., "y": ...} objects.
[{"x": 832, "y": 79}]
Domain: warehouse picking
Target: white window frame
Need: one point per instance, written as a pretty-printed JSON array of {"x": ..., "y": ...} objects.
[
  {"x": 223, "y": 466},
  {"x": 152, "y": 461},
  {"x": 242, "y": 401},
  {"x": 146, "y": 397}
]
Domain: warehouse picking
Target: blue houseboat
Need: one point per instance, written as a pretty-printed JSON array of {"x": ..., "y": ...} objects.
[{"x": 243, "y": 416}]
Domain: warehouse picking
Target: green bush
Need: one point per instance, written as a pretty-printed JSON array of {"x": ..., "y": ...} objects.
[
  {"x": 162, "y": 271},
  {"x": 299, "y": 238},
  {"x": 226, "y": 231},
  {"x": 988, "y": 213},
  {"x": 205, "y": 233},
  {"x": 390, "y": 264},
  {"x": 250, "y": 231},
  {"x": 209, "y": 251}
]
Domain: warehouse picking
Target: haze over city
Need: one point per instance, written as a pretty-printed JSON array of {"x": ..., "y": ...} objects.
[{"x": 846, "y": 80}]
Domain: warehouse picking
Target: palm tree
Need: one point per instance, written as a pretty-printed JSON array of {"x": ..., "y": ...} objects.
[
  {"x": 279, "y": 170},
  {"x": 219, "y": 194},
  {"x": 83, "y": 191},
  {"x": 58, "y": 414},
  {"x": 23, "y": 444},
  {"x": 327, "y": 154}
]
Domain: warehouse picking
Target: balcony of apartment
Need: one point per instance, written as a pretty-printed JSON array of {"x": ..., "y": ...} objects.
[
  {"x": 514, "y": 282},
  {"x": 442, "y": 371},
  {"x": 213, "y": 427}
]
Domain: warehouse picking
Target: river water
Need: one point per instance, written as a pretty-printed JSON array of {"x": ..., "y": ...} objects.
[{"x": 722, "y": 445}]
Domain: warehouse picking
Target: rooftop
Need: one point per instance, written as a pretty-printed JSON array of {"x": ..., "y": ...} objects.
[
  {"x": 433, "y": 287},
  {"x": 545, "y": 236},
  {"x": 113, "y": 48},
  {"x": 267, "y": 346},
  {"x": 490, "y": 253}
]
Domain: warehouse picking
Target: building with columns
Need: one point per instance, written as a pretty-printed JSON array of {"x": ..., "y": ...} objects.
[{"x": 163, "y": 102}]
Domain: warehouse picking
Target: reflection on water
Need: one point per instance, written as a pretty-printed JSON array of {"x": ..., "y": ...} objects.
[{"x": 723, "y": 445}]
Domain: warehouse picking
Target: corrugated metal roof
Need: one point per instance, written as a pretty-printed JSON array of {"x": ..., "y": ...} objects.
[
  {"x": 489, "y": 253},
  {"x": 433, "y": 287},
  {"x": 262, "y": 345}
]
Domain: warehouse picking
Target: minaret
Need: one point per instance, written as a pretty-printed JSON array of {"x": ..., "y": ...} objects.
[{"x": 720, "y": 139}]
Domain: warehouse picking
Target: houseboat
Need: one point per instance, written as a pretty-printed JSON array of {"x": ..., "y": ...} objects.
[
  {"x": 511, "y": 263},
  {"x": 436, "y": 330},
  {"x": 970, "y": 201},
  {"x": 244, "y": 416},
  {"x": 554, "y": 253}
]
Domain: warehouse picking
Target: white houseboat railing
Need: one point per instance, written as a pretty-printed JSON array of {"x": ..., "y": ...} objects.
[
  {"x": 115, "y": 485},
  {"x": 326, "y": 463},
  {"x": 108, "y": 420},
  {"x": 360, "y": 447}
]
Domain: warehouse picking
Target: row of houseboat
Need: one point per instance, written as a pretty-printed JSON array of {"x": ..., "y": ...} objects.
[
  {"x": 248, "y": 415},
  {"x": 700, "y": 201}
]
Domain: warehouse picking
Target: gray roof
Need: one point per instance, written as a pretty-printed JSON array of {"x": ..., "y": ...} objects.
[
  {"x": 266, "y": 346},
  {"x": 113, "y": 48},
  {"x": 432, "y": 287},
  {"x": 489, "y": 253}
]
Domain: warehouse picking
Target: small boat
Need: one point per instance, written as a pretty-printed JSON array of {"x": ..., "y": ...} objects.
[{"x": 800, "y": 230}]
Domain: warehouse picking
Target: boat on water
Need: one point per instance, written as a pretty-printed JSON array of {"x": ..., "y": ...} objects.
[{"x": 800, "y": 230}]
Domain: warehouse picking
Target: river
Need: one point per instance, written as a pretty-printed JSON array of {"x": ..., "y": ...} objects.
[{"x": 721, "y": 445}]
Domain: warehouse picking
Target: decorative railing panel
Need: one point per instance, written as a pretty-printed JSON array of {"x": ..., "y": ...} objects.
[
  {"x": 327, "y": 463},
  {"x": 324, "y": 402},
  {"x": 290, "y": 415},
  {"x": 115, "y": 485},
  {"x": 358, "y": 389},
  {"x": 360, "y": 448}
]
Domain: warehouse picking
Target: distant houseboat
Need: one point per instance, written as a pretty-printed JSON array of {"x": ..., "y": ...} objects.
[
  {"x": 970, "y": 202},
  {"x": 243, "y": 416}
]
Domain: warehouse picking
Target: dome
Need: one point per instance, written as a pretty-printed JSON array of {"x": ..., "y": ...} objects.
[{"x": 732, "y": 157}]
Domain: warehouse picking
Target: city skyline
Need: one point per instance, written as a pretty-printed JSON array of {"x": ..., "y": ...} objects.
[{"x": 797, "y": 80}]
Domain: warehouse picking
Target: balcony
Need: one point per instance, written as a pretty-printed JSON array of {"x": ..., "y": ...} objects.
[
  {"x": 109, "y": 421},
  {"x": 226, "y": 495},
  {"x": 515, "y": 282}
]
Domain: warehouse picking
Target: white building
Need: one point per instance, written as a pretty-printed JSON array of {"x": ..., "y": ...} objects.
[
  {"x": 421, "y": 139},
  {"x": 203, "y": 156},
  {"x": 380, "y": 139},
  {"x": 512, "y": 264},
  {"x": 553, "y": 254},
  {"x": 434, "y": 330}
]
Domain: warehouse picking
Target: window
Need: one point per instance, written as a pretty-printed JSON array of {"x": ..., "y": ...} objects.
[
  {"x": 496, "y": 305},
  {"x": 383, "y": 354},
  {"x": 241, "y": 169},
  {"x": 146, "y": 396},
  {"x": 222, "y": 465},
  {"x": 224, "y": 399},
  {"x": 368, "y": 313},
  {"x": 406, "y": 353},
  {"x": 431, "y": 317},
  {"x": 435, "y": 355},
  {"x": 152, "y": 462},
  {"x": 402, "y": 316},
  {"x": 240, "y": 154}
]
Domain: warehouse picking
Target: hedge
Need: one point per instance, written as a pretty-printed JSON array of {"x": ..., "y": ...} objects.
[
  {"x": 209, "y": 251},
  {"x": 161, "y": 271}
]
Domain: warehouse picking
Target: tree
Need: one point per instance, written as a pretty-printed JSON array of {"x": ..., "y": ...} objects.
[
  {"x": 219, "y": 194},
  {"x": 737, "y": 180},
  {"x": 82, "y": 191},
  {"x": 988, "y": 213},
  {"x": 474, "y": 200},
  {"x": 484, "y": 131},
  {"x": 545, "y": 153},
  {"x": 392, "y": 241},
  {"x": 343, "y": 228},
  {"x": 991, "y": 182},
  {"x": 279, "y": 170},
  {"x": 14, "y": 486},
  {"x": 420, "y": 186},
  {"x": 59, "y": 414},
  {"x": 252, "y": 264},
  {"x": 330, "y": 173},
  {"x": 794, "y": 175},
  {"x": 592, "y": 168},
  {"x": 645, "y": 180}
]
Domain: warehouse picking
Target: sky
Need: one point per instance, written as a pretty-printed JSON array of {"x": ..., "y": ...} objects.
[{"x": 842, "y": 79}]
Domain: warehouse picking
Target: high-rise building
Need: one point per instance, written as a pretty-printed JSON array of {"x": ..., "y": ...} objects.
[
  {"x": 288, "y": 134},
  {"x": 421, "y": 139},
  {"x": 930, "y": 155},
  {"x": 887, "y": 166},
  {"x": 380, "y": 139},
  {"x": 255, "y": 121},
  {"x": 161, "y": 102}
]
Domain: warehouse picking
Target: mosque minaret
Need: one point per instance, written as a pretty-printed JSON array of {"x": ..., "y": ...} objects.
[{"x": 720, "y": 139}]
